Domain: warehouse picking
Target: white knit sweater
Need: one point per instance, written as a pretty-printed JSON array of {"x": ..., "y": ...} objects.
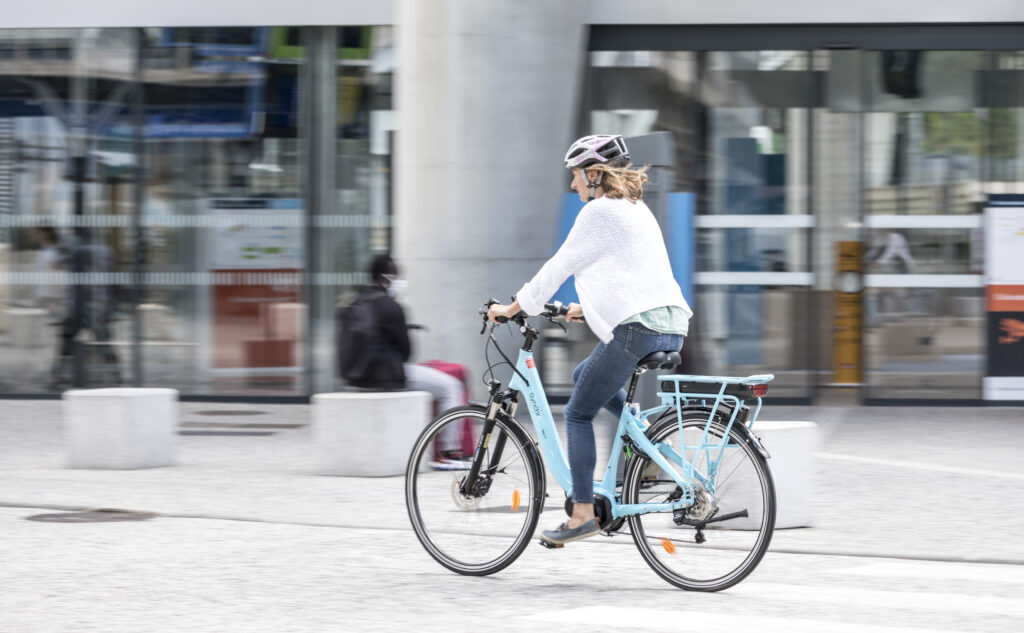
[{"x": 618, "y": 256}]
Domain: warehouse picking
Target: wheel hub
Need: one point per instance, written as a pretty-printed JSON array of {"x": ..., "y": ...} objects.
[
  {"x": 704, "y": 505},
  {"x": 462, "y": 502}
]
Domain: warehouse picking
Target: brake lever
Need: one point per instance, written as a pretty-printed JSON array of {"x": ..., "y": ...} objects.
[
  {"x": 501, "y": 321},
  {"x": 484, "y": 310},
  {"x": 551, "y": 318}
]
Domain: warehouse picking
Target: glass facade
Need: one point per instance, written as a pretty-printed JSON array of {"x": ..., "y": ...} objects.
[
  {"x": 157, "y": 216},
  {"x": 838, "y": 199},
  {"x": 187, "y": 207}
]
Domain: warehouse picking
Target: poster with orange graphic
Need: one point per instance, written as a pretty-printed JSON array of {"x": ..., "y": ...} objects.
[{"x": 1004, "y": 297}]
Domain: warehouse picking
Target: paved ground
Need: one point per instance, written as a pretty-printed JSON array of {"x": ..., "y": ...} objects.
[{"x": 918, "y": 528}]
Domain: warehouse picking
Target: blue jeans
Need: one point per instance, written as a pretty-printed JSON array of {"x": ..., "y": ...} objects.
[{"x": 599, "y": 383}]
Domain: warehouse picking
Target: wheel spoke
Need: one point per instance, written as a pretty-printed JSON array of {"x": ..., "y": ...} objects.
[{"x": 721, "y": 485}]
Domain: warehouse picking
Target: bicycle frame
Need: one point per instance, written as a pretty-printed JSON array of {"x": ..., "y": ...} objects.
[{"x": 630, "y": 425}]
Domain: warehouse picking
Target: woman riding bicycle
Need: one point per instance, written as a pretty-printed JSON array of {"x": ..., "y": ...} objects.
[{"x": 627, "y": 292}]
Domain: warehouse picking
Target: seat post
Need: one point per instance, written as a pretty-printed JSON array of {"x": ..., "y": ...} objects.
[{"x": 632, "y": 385}]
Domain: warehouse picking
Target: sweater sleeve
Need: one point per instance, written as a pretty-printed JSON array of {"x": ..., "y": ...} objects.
[{"x": 581, "y": 247}]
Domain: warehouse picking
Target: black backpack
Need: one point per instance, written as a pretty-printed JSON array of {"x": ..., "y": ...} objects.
[
  {"x": 365, "y": 358},
  {"x": 359, "y": 339}
]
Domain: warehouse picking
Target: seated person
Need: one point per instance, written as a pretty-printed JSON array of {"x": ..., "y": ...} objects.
[{"x": 380, "y": 359}]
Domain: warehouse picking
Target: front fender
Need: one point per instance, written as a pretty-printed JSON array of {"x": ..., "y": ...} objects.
[{"x": 533, "y": 454}]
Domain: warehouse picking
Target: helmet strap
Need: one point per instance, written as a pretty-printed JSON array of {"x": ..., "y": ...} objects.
[{"x": 593, "y": 185}]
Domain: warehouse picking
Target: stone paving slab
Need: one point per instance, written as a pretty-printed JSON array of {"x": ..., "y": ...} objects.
[
  {"x": 210, "y": 576},
  {"x": 880, "y": 508}
]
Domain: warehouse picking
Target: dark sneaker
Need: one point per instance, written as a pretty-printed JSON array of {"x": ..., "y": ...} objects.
[{"x": 564, "y": 534}]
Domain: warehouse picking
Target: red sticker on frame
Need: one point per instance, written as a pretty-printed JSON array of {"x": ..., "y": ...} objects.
[{"x": 530, "y": 363}]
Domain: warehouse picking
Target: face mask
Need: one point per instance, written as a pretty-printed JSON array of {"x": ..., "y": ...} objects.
[{"x": 396, "y": 285}]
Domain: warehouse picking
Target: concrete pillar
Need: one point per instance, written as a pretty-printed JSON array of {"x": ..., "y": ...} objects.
[
  {"x": 487, "y": 97},
  {"x": 321, "y": 108}
]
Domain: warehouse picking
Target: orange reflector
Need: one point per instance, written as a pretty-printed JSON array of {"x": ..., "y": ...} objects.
[
  {"x": 760, "y": 391},
  {"x": 669, "y": 546},
  {"x": 515, "y": 500}
]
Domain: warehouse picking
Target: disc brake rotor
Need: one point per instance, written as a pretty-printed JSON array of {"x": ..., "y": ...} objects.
[{"x": 462, "y": 502}]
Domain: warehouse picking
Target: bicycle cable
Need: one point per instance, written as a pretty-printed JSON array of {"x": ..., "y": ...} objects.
[
  {"x": 507, "y": 360},
  {"x": 490, "y": 365}
]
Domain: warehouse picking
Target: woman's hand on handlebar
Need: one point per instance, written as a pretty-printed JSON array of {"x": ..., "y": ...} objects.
[
  {"x": 505, "y": 312},
  {"x": 575, "y": 313}
]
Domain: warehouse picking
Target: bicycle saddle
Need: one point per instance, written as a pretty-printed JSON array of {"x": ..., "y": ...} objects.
[{"x": 660, "y": 360}]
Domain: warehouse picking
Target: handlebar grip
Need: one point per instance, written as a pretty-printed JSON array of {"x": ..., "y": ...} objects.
[{"x": 556, "y": 308}]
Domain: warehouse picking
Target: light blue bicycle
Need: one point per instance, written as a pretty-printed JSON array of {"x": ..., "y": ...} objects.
[{"x": 696, "y": 490}]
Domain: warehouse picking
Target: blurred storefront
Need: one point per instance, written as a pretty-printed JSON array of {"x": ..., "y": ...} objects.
[
  {"x": 840, "y": 185},
  {"x": 165, "y": 219},
  {"x": 185, "y": 206}
]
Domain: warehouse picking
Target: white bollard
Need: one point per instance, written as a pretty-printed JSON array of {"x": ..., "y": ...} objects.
[
  {"x": 156, "y": 321},
  {"x": 359, "y": 434},
  {"x": 120, "y": 428},
  {"x": 26, "y": 327},
  {"x": 791, "y": 446}
]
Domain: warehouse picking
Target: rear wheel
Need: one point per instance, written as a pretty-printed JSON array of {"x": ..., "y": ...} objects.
[
  {"x": 702, "y": 553},
  {"x": 484, "y": 531}
]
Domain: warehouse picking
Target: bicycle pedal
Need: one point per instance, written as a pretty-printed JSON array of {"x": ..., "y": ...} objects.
[{"x": 551, "y": 545}]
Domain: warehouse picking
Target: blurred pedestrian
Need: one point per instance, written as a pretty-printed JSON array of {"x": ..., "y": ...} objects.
[
  {"x": 47, "y": 263},
  {"x": 630, "y": 298},
  {"x": 89, "y": 307}
]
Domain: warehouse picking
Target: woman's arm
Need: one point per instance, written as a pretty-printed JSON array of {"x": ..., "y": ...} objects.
[{"x": 591, "y": 235}]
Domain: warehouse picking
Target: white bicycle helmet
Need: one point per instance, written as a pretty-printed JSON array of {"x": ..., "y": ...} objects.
[
  {"x": 606, "y": 149},
  {"x": 597, "y": 148}
]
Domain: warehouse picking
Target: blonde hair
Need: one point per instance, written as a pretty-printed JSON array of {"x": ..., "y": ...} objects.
[{"x": 620, "y": 182}]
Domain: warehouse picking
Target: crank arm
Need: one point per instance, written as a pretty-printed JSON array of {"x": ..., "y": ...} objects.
[{"x": 717, "y": 519}]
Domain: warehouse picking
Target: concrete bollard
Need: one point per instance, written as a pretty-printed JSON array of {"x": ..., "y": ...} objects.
[
  {"x": 360, "y": 434},
  {"x": 791, "y": 446},
  {"x": 120, "y": 428},
  {"x": 26, "y": 327}
]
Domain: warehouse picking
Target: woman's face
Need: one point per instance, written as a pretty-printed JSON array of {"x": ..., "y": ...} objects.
[{"x": 579, "y": 184}]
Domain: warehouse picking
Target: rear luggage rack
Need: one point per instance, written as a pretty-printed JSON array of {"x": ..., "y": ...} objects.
[{"x": 682, "y": 390}]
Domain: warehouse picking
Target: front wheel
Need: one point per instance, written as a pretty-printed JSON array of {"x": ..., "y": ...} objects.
[
  {"x": 484, "y": 531},
  {"x": 722, "y": 537}
]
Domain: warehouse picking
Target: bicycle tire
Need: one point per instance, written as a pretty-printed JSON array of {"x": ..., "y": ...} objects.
[
  {"x": 727, "y": 540},
  {"x": 448, "y": 524}
]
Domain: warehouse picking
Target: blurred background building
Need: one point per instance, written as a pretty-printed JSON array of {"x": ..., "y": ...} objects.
[{"x": 188, "y": 190}]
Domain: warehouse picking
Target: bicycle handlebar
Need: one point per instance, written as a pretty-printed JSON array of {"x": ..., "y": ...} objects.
[{"x": 551, "y": 312}]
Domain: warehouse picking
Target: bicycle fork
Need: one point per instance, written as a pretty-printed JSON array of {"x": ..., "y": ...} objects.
[{"x": 478, "y": 480}]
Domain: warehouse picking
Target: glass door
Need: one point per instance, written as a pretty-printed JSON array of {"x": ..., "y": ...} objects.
[
  {"x": 924, "y": 153},
  {"x": 754, "y": 219},
  {"x": 67, "y": 177},
  {"x": 900, "y": 147}
]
